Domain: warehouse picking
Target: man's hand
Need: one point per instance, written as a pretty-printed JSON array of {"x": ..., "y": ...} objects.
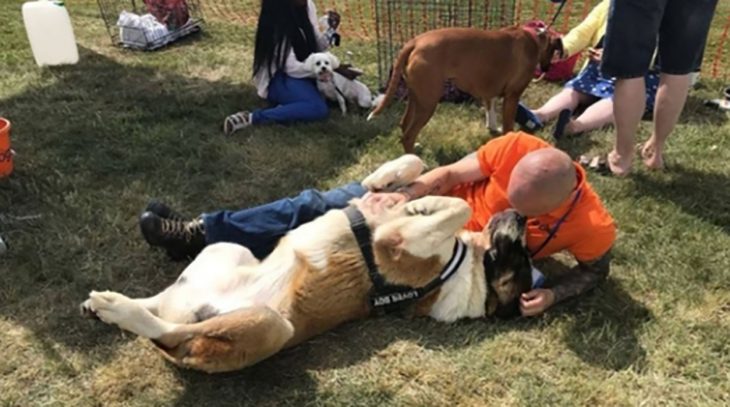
[
  {"x": 536, "y": 301},
  {"x": 380, "y": 201}
]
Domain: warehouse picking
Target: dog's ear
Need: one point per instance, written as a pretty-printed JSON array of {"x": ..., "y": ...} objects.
[
  {"x": 334, "y": 61},
  {"x": 309, "y": 62}
]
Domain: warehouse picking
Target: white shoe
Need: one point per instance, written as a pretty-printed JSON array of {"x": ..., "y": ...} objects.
[{"x": 236, "y": 122}]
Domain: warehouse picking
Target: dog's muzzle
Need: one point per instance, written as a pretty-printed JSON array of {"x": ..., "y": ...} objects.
[{"x": 324, "y": 75}]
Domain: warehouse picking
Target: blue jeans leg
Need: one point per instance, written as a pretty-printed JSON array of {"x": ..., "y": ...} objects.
[
  {"x": 294, "y": 100},
  {"x": 260, "y": 228}
]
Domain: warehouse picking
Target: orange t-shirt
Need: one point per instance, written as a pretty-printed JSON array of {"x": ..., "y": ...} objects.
[{"x": 588, "y": 231}]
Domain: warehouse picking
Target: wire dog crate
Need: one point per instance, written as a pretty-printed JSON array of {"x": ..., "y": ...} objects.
[
  {"x": 397, "y": 21},
  {"x": 150, "y": 24}
]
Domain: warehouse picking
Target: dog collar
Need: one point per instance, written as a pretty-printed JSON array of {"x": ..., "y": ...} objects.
[{"x": 386, "y": 297}]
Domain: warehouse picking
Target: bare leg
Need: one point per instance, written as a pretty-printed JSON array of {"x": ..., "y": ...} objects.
[
  {"x": 565, "y": 99},
  {"x": 595, "y": 116},
  {"x": 629, "y": 105},
  {"x": 670, "y": 98}
]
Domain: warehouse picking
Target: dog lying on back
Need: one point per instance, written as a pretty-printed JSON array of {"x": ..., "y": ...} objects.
[
  {"x": 334, "y": 86},
  {"x": 227, "y": 310},
  {"x": 485, "y": 64}
]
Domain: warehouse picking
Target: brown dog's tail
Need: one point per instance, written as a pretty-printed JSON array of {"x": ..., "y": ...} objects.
[{"x": 395, "y": 78}]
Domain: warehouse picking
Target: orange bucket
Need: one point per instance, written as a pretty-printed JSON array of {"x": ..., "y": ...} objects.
[{"x": 6, "y": 154}]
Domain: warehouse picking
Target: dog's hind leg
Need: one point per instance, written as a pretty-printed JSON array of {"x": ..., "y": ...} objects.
[
  {"x": 418, "y": 118},
  {"x": 424, "y": 98},
  {"x": 130, "y": 315},
  {"x": 228, "y": 341},
  {"x": 151, "y": 304}
]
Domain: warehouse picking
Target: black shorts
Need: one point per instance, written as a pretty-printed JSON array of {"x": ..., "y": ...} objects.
[{"x": 635, "y": 27}]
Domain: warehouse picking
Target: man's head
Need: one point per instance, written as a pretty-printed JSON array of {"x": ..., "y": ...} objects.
[{"x": 541, "y": 181}]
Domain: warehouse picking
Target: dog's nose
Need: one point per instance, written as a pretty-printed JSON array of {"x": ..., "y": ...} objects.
[{"x": 521, "y": 220}]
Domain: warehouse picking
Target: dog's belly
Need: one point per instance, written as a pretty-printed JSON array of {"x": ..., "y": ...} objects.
[{"x": 228, "y": 280}]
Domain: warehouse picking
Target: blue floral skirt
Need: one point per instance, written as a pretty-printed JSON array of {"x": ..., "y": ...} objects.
[{"x": 591, "y": 82}]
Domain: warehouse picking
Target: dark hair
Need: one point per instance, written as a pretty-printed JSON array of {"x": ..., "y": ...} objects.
[{"x": 283, "y": 25}]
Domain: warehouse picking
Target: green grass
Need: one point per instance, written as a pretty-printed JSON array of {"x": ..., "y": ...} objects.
[{"x": 97, "y": 139}]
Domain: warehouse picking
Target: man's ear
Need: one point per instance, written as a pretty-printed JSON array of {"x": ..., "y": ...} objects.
[{"x": 334, "y": 61}]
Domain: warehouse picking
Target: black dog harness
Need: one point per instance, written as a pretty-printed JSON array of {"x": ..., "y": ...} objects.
[{"x": 386, "y": 297}]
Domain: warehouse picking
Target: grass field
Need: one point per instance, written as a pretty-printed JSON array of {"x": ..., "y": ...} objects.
[{"x": 96, "y": 140}]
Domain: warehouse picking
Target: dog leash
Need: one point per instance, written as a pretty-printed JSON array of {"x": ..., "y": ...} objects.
[
  {"x": 386, "y": 297},
  {"x": 554, "y": 229},
  {"x": 557, "y": 13}
]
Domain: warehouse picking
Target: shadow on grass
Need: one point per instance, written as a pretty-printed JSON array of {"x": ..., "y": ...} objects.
[
  {"x": 97, "y": 139},
  {"x": 604, "y": 325},
  {"x": 289, "y": 373},
  {"x": 709, "y": 200}
]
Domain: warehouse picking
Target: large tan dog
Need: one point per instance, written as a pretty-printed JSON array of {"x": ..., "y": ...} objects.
[
  {"x": 227, "y": 311},
  {"x": 485, "y": 64}
]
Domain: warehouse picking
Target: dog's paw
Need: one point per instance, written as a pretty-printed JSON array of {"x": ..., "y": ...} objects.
[
  {"x": 87, "y": 311},
  {"x": 393, "y": 174},
  {"x": 418, "y": 207},
  {"x": 114, "y": 308},
  {"x": 428, "y": 205}
]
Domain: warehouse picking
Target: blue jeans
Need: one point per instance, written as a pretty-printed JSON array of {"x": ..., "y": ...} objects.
[
  {"x": 681, "y": 27},
  {"x": 260, "y": 228},
  {"x": 294, "y": 100}
]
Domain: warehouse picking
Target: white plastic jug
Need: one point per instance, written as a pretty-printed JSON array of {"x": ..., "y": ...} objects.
[{"x": 50, "y": 33}]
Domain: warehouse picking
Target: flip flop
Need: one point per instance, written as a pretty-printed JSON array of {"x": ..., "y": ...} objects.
[
  {"x": 527, "y": 119},
  {"x": 563, "y": 120}
]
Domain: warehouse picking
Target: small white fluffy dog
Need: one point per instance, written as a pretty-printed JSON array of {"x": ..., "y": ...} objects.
[{"x": 334, "y": 86}]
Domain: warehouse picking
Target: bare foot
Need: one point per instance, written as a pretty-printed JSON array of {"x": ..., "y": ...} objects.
[
  {"x": 652, "y": 158},
  {"x": 619, "y": 166}
]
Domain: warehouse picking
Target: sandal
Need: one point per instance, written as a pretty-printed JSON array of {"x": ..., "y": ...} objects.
[
  {"x": 527, "y": 119},
  {"x": 563, "y": 120},
  {"x": 236, "y": 122},
  {"x": 597, "y": 164}
]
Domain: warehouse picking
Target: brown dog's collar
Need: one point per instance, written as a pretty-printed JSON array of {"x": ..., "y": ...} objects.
[{"x": 532, "y": 31}]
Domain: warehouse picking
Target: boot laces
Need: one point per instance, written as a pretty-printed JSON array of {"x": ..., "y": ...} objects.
[{"x": 181, "y": 229}]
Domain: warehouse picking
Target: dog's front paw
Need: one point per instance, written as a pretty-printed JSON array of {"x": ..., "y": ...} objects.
[
  {"x": 393, "y": 174},
  {"x": 87, "y": 311}
]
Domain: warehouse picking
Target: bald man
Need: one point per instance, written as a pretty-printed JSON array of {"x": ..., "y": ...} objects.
[{"x": 516, "y": 171}]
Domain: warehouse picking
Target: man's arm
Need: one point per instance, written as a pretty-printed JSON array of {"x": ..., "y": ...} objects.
[
  {"x": 582, "y": 278},
  {"x": 443, "y": 179},
  {"x": 438, "y": 181}
]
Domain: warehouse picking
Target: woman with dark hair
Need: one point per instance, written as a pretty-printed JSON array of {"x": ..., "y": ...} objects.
[{"x": 287, "y": 33}]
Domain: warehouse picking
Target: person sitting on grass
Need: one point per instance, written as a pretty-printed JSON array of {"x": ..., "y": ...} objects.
[
  {"x": 286, "y": 34},
  {"x": 589, "y": 89},
  {"x": 517, "y": 170}
]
